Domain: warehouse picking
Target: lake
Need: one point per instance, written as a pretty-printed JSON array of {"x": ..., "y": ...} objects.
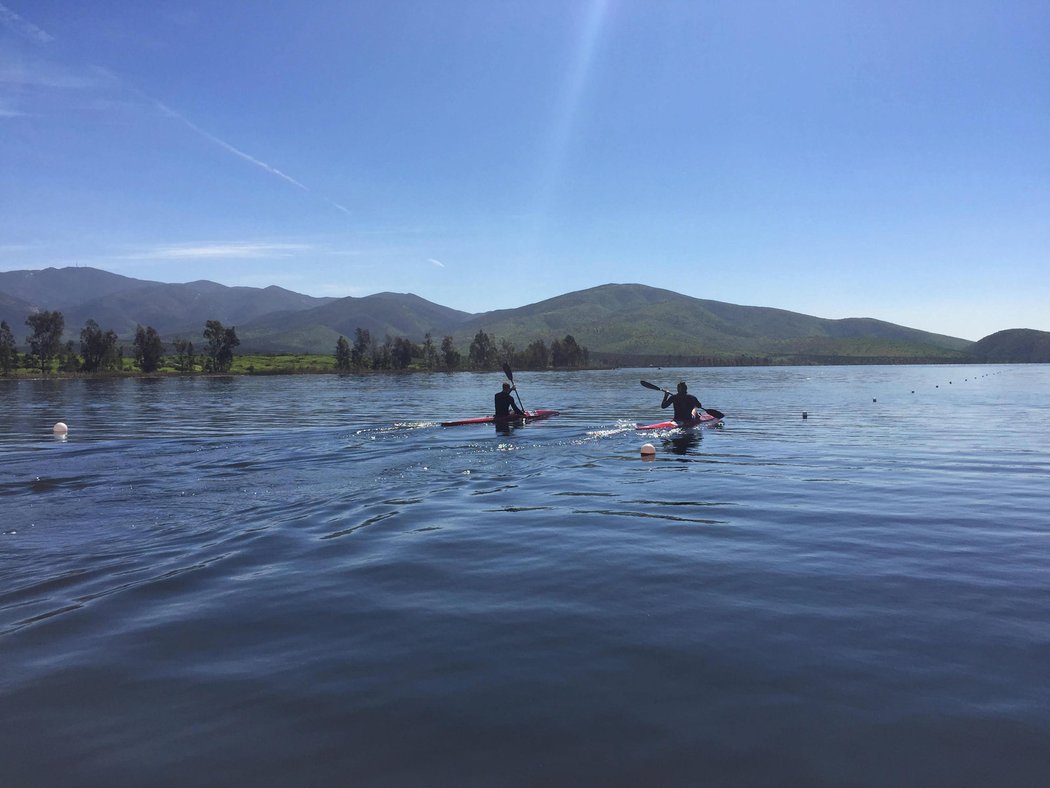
[{"x": 306, "y": 581}]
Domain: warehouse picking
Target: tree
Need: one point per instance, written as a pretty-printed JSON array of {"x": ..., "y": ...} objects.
[
  {"x": 68, "y": 361},
  {"x": 449, "y": 354},
  {"x": 46, "y": 340},
  {"x": 567, "y": 353},
  {"x": 342, "y": 354},
  {"x": 98, "y": 347},
  {"x": 221, "y": 342},
  {"x": 381, "y": 358},
  {"x": 148, "y": 349},
  {"x": 362, "y": 350},
  {"x": 429, "y": 352},
  {"x": 535, "y": 355},
  {"x": 183, "y": 355},
  {"x": 506, "y": 350},
  {"x": 8, "y": 352},
  {"x": 482, "y": 353},
  {"x": 401, "y": 353}
]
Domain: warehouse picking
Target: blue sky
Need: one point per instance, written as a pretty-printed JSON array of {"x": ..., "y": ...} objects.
[{"x": 842, "y": 159}]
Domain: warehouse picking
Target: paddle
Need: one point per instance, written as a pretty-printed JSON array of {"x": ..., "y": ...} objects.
[
  {"x": 716, "y": 413},
  {"x": 510, "y": 376}
]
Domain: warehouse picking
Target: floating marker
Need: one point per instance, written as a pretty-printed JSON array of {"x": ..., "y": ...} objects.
[
  {"x": 648, "y": 450},
  {"x": 60, "y": 429}
]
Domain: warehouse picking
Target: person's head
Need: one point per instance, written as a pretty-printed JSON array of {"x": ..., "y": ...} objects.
[
  {"x": 681, "y": 387},
  {"x": 506, "y": 387}
]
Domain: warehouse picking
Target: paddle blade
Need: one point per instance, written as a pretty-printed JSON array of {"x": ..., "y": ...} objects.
[
  {"x": 507, "y": 372},
  {"x": 716, "y": 413},
  {"x": 649, "y": 385}
]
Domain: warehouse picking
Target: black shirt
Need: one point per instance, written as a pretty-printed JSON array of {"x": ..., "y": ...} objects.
[
  {"x": 504, "y": 404},
  {"x": 683, "y": 405}
]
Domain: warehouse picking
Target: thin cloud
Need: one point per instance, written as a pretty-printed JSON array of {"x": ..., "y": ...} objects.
[
  {"x": 438, "y": 263},
  {"x": 23, "y": 27},
  {"x": 220, "y": 251}
]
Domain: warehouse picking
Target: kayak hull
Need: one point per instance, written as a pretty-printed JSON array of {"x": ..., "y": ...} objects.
[
  {"x": 706, "y": 420},
  {"x": 530, "y": 415}
]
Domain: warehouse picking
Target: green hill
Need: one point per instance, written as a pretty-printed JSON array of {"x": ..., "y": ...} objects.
[
  {"x": 625, "y": 321},
  {"x": 1015, "y": 345},
  {"x": 617, "y": 323}
]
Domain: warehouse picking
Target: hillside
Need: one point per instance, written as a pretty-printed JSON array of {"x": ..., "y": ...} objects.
[
  {"x": 617, "y": 323},
  {"x": 1017, "y": 345},
  {"x": 182, "y": 309},
  {"x": 13, "y": 311},
  {"x": 637, "y": 320},
  {"x": 382, "y": 314},
  {"x": 61, "y": 288}
]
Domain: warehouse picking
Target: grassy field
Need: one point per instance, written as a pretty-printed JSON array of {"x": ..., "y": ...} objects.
[{"x": 274, "y": 364}]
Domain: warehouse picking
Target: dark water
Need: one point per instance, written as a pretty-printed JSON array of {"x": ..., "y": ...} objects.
[{"x": 305, "y": 581}]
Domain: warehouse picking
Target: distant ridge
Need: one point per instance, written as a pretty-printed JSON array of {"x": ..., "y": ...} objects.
[
  {"x": 1017, "y": 345},
  {"x": 633, "y": 320},
  {"x": 60, "y": 288},
  {"x": 617, "y": 323}
]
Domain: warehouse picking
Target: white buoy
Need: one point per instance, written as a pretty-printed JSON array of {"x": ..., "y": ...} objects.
[
  {"x": 60, "y": 429},
  {"x": 648, "y": 450}
]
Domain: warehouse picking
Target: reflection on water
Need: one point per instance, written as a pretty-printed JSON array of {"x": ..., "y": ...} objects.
[{"x": 683, "y": 443}]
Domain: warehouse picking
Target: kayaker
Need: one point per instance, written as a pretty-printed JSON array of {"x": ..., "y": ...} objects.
[
  {"x": 686, "y": 406},
  {"x": 505, "y": 402}
]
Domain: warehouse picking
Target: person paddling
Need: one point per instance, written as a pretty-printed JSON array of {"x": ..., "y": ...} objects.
[
  {"x": 686, "y": 406},
  {"x": 505, "y": 403}
]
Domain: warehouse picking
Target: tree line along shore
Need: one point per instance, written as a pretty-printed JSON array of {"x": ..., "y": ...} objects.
[{"x": 100, "y": 352}]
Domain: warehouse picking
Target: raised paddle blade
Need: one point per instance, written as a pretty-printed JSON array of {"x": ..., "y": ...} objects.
[
  {"x": 716, "y": 413},
  {"x": 649, "y": 385},
  {"x": 510, "y": 376}
]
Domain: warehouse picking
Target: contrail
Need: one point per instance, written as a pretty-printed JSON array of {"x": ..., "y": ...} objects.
[
  {"x": 28, "y": 30},
  {"x": 165, "y": 109},
  {"x": 225, "y": 145},
  {"x": 22, "y": 27},
  {"x": 438, "y": 263},
  {"x": 241, "y": 154}
]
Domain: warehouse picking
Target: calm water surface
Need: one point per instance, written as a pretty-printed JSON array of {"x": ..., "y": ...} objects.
[{"x": 307, "y": 581}]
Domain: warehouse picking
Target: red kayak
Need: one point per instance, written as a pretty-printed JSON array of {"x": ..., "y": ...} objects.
[
  {"x": 706, "y": 419},
  {"x": 530, "y": 415}
]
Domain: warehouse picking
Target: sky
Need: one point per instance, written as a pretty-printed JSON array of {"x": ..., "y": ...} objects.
[{"x": 841, "y": 159}]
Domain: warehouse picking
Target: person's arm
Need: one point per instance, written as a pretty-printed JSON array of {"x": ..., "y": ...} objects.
[{"x": 668, "y": 399}]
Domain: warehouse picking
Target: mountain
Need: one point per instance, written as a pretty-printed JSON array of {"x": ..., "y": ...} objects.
[
  {"x": 318, "y": 329},
  {"x": 618, "y": 323},
  {"x": 121, "y": 303},
  {"x": 1016, "y": 345},
  {"x": 631, "y": 320},
  {"x": 60, "y": 288},
  {"x": 183, "y": 309},
  {"x": 14, "y": 311}
]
